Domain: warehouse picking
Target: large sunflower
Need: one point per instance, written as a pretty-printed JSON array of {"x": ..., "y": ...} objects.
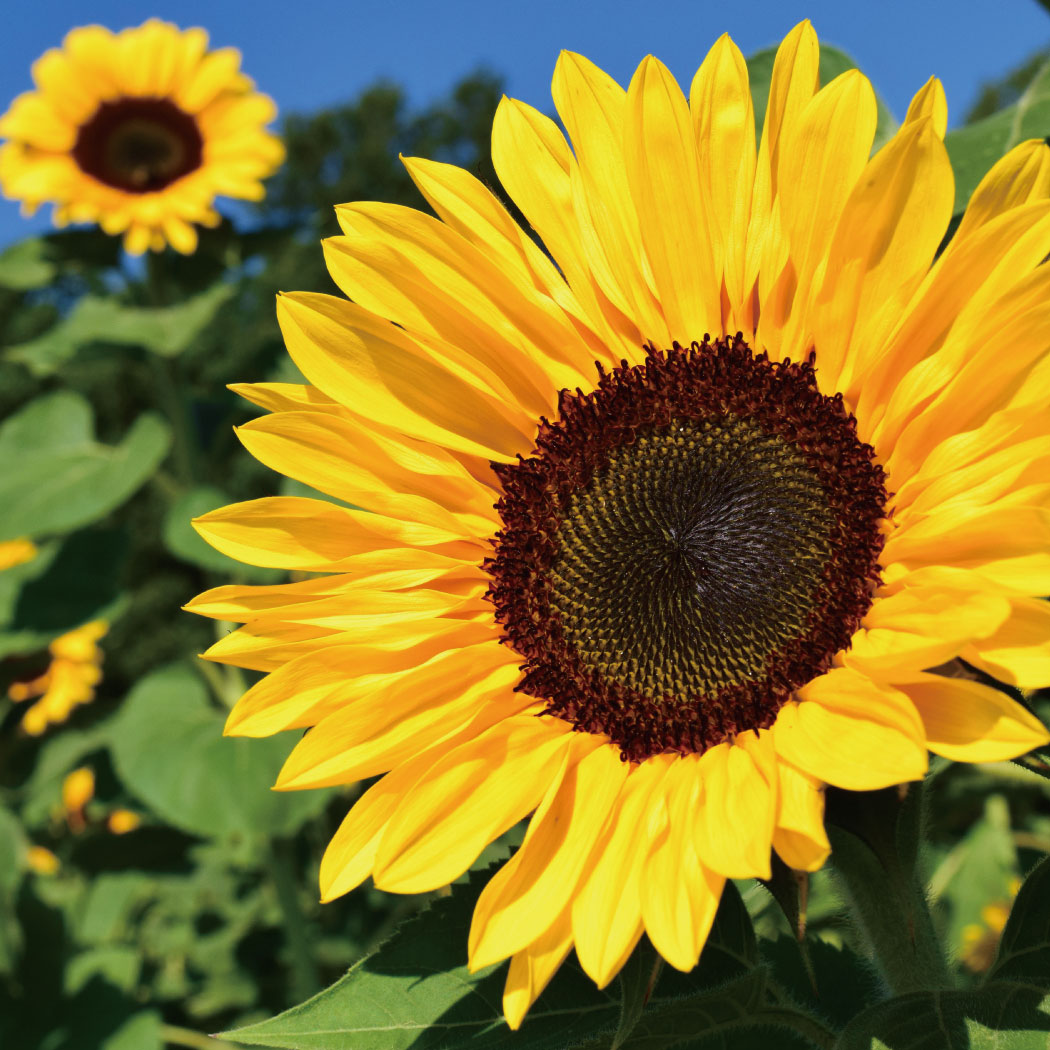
[
  {"x": 666, "y": 529},
  {"x": 138, "y": 131}
]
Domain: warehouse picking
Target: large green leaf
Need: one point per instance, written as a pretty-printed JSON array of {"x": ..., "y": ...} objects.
[
  {"x": 168, "y": 748},
  {"x": 417, "y": 992},
  {"x": 26, "y": 265},
  {"x": 1024, "y": 950},
  {"x": 166, "y": 331},
  {"x": 976, "y": 147},
  {"x": 57, "y": 477},
  {"x": 998, "y": 1016},
  {"x": 833, "y": 62}
]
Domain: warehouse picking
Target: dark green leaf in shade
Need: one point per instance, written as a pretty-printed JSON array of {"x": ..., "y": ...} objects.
[
  {"x": 57, "y": 481},
  {"x": 999, "y": 1016},
  {"x": 832, "y": 981},
  {"x": 973, "y": 149},
  {"x": 26, "y": 265},
  {"x": 166, "y": 331},
  {"x": 417, "y": 992},
  {"x": 1024, "y": 950},
  {"x": 169, "y": 751},
  {"x": 833, "y": 62},
  {"x": 82, "y": 582}
]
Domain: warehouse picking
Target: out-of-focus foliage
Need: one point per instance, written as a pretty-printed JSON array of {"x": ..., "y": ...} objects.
[
  {"x": 166, "y": 892},
  {"x": 181, "y": 898}
]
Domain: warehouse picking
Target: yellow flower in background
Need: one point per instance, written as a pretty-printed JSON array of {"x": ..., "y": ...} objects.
[
  {"x": 980, "y": 941},
  {"x": 70, "y": 680},
  {"x": 138, "y": 131},
  {"x": 664, "y": 530},
  {"x": 41, "y": 860},
  {"x": 122, "y": 821},
  {"x": 16, "y": 552},
  {"x": 78, "y": 789}
]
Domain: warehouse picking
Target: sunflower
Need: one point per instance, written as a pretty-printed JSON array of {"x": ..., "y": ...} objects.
[
  {"x": 138, "y": 131},
  {"x": 668, "y": 526}
]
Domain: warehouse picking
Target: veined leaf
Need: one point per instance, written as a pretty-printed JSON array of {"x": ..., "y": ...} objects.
[
  {"x": 57, "y": 478},
  {"x": 166, "y": 331}
]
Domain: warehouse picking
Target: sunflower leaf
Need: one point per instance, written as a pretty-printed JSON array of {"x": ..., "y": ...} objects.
[
  {"x": 165, "y": 331},
  {"x": 26, "y": 265},
  {"x": 57, "y": 477},
  {"x": 998, "y": 1016},
  {"x": 168, "y": 748},
  {"x": 1024, "y": 950},
  {"x": 416, "y": 991}
]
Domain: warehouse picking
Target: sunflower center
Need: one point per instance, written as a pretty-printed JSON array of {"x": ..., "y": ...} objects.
[
  {"x": 139, "y": 145},
  {"x": 686, "y": 545}
]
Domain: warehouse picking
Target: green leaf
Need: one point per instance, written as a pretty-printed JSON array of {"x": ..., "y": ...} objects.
[
  {"x": 416, "y": 991},
  {"x": 166, "y": 331},
  {"x": 973, "y": 149},
  {"x": 832, "y": 981},
  {"x": 1024, "y": 949},
  {"x": 25, "y": 265},
  {"x": 81, "y": 582},
  {"x": 998, "y": 1016},
  {"x": 833, "y": 62},
  {"x": 978, "y": 871},
  {"x": 168, "y": 748},
  {"x": 57, "y": 478}
]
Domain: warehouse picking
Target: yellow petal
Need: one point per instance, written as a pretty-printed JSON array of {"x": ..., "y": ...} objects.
[
  {"x": 313, "y": 447},
  {"x": 1019, "y": 652},
  {"x": 607, "y": 908},
  {"x": 680, "y": 894},
  {"x": 799, "y": 837},
  {"x": 402, "y": 714},
  {"x": 593, "y": 108},
  {"x": 888, "y": 234},
  {"x": 848, "y": 731},
  {"x": 542, "y": 876},
  {"x": 822, "y": 156},
  {"x": 920, "y": 627},
  {"x": 664, "y": 176},
  {"x": 532, "y": 968},
  {"x": 982, "y": 539},
  {"x": 970, "y": 722},
  {"x": 293, "y": 532},
  {"x": 1020, "y": 177},
  {"x": 734, "y": 824},
  {"x": 723, "y": 122},
  {"x": 375, "y": 370},
  {"x": 471, "y": 796},
  {"x": 929, "y": 101}
]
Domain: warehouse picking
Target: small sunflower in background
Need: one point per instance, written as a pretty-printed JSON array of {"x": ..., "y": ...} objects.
[
  {"x": 668, "y": 526},
  {"x": 138, "y": 131}
]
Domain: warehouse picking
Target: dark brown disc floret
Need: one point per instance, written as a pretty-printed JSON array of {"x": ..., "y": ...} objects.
[
  {"x": 139, "y": 145},
  {"x": 686, "y": 545}
]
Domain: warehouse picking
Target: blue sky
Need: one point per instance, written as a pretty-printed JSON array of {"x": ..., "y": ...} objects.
[{"x": 311, "y": 53}]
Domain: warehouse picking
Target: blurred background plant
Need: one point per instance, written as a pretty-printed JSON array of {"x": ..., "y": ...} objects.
[{"x": 152, "y": 889}]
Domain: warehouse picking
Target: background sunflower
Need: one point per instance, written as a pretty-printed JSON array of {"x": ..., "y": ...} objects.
[{"x": 138, "y": 131}]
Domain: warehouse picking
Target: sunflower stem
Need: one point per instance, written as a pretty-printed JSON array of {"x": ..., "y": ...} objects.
[
  {"x": 170, "y": 388},
  {"x": 876, "y": 841},
  {"x": 305, "y": 979}
]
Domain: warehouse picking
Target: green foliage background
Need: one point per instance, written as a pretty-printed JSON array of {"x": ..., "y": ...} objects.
[{"x": 115, "y": 428}]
